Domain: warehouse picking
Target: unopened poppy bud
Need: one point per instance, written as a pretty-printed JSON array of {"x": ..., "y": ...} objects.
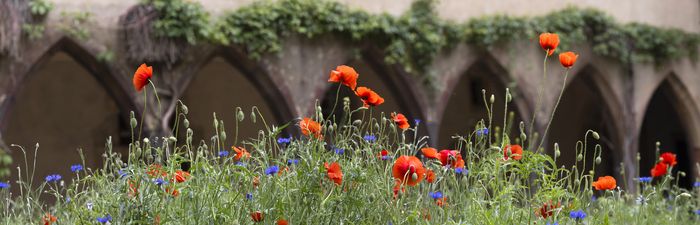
[
  {"x": 597, "y": 160},
  {"x": 523, "y": 137},
  {"x": 492, "y": 99},
  {"x": 189, "y": 132},
  {"x": 216, "y": 122},
  {"x": 184, "y": 109},
  {"x": 508, "y": 96},
  {"x": 131, "y": 114},
  {"x": 253, "y": 117},
  {"x": 172, "y": 139},
  {"x": 685, "y": 194},
  {"x": 376, "y": 126},
  {"x": 577, "y": 182},
  {"x": 658, "y": 144},
  {"x": 639, "y": 157},
  {"x": 222, "y": 135},
  {"x": 145, "y": 141},
  {"x": 557, "y": 153},
  {"x": 414, "y": 176},
  {"x": 595, "y": 135},
  {"x": 483, "y": 91},
  {"x": 330, "y": 128},
  {"x": 186, "y": 123},
  {"x": 579, "y": 157},
  {"x": 240, "y": 115},
  {"x": 357, "y": 123},
  {"x": 681, "y": 173},
  {"x": 383, "y": 120},
  {"x": 134, "y": 123}
]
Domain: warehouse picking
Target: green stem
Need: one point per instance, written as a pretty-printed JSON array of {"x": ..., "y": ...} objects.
[
  {"x": 551, "y": 116},
  {"x": 539, "y": 99}
]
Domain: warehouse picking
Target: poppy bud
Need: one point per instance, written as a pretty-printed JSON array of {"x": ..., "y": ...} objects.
[
  {"x": 597, "y": 160},
  {"x": 523, "y": 137},
  {"x": 184, "y": 109},
  {"x": 595, "y": 135},
  {"x": 330, "y": 128},
  {"x": 639, "y": 157},
  {"x": 145, "y": 141},
  {"x": 492, "y": 99},
  {"x": 681, "y": 173},
  {"x": 172, "y": 139},
  {"x": 577, "y": 182},
  {"x": 357, "y": 123},
  {"x": 222, "y": 135},
  {"x": 253, "y": 117},
  {"x": 189, "y": 132},
  {"x": 186, "y": 123},
  {"x": 376, "y": 126},
  {"x": 133, "y": 122},
  {"x": 240, "y": 115},
  {"x": 579, "y": 157},
  {"x": 414, "y": 176},
  {"x": 557, "y": 153},
  {"x": 508, "y": 96}
]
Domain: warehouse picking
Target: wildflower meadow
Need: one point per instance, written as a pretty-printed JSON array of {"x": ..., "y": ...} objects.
[{"x": 358, "y": 167}]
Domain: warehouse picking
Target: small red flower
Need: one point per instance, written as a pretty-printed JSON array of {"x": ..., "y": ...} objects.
[
  {"x": 48, "y": 219},
  {"x": 369, "y": 97},
  {"x": 398, "y": 188},
  {"x": 441, "y": 201},
  {"x": 156, "y": 170},
  {"x": 310, "y": 127},
  {"x": 430, "y": 176},
  {"x": 383, "y": 155},
  {"x": 428, "y": 152},
  {"x": 142, "y": 75},
  {"x": 256, "y": 181},
  {"x": 449, "y": 157},
  {"x": 668, "y": 158},
  {"x": 345, "y": 75},
  {"x": 659, "y": 170},
  {"x": 181, "y": 176},
  {"x": 334, "y": 172},
  {"x": 240, "y": 152},
  {"x": 174, "y": 191},
  {"x": 605, "y": 183},
  {"x": 409, "y": 170},
  {"x": 257, "y": 216},
  {"x": 516, "y": 152},
  {"x": 400, "y": 120},
  {"x": 282, "y": 222},
  {"x": 567, "y": 59},
  {"x": 549, "y": 42},
  {"x": 547, "y": 209}
]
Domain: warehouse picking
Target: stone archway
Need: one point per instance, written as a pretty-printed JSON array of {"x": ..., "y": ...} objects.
[{"x": 670, "y": 119}]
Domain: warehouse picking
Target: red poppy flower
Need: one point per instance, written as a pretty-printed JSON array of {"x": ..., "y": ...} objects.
[
  {"x": 133, "y": 189},
  {"x": 549, "y": 42},
  {"x": 547, "y": 209},
  {"x": 334, "y": 172},
  {"x": 567, "y": 59},
  {"x": 240, "y": 153},
  {"x": 605, "y": 183},
  {"x": 48, "y": 219},
  {"x": 400, "y": 120},
  {"x": 383, "y": 154},
  {"x": 369, "y": 97},
  {"x": 282, "y": 222},
  {"x": 408, "y": 169},
  {"x": 430, "y": 176},
  {"x": 174, "y": 191},
  {"x": 256, "y": 181},
  {"x": 441, "y": 201},
  {"x": 156, "y": 170},
  {"x": 668, "y": 158},
  {"x": 181, "y": 176},
  {"x": 660, "y": 169},
  {"x": 449, "y": 157},
  {"x": 398, "y": 188},
  {"x": 310, "y": 127},
  {"x": 429, "y": 152},
  {"x": 516, "y": 152},
  {"x": 141, "y": 76},
  {"x": 257, "y": 216},
  {"x": 345, "y": 75},
  {"x": 459, "y": 163}
]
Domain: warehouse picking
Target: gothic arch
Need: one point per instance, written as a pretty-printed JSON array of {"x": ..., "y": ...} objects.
[
  {"x": 484, "y": 73},
  {"x": 671, "y": 117}
]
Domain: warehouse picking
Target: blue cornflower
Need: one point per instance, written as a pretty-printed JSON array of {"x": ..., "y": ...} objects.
[
  {"x": 339, "y": 151},
  {"x": 594, "y": 198},
  {"x": 4, "y": 185},
  {"x": 461, "y": 171},
  {"x": 272, "y": 170},
  {"x": 159, "y": 181},
  {"x": 284, "y": 140},
  {"x": 76, "y": 168},
  {"x": 645, "y": 179},
  {"x": 122, "y": 174},
  {"x": 53, "y": 178},
  {"x": 416, "y": 121},
  {"x": 105, "y": 219},
  {"x": 249, "y": 196},
  {"x": 482, "y": 131},
  {"x": 577, "y": 214},
  {"x": 292, "y": 161},
  {"x": 370, "y": 138},
  {"x": 555, "y": 223},
  {"x": 223, "y": 153},
  {"x": 436, "y": 195},
  {"x": 696, "y": 184},
  {"x": 386, "y": 157},
  {"x": 697, "y": 212},
  {"x": 239, "y": 163}
]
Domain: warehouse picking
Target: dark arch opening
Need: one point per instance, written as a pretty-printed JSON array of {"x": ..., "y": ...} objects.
[
  {"x": 64, "y": 105},
  {"x": 465, "y": 106},
  {"x": 663, "y": 122},
  {"x": 584, "y": 108},
  {"x": 219, "y": 87}
]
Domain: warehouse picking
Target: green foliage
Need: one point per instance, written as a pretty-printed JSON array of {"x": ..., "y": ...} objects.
[
  {"x": 5, "y": 163},
  {"x": 33, "y": 31},
  {"x": 105, "y": 56},
  {"x": 181, "y": 19},
  {"x": 74, "y": 24},
  {"x": 40, "y": 8}
]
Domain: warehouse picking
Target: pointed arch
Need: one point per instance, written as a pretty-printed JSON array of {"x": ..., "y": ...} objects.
[
  {"x": 671, "y": 118},
  {"x": 581, "y": 110},
  {"x": 460, "y": 105},
  {"x": 261, "y": 86}
]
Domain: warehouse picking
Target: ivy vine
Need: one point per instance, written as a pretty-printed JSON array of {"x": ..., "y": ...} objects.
[{"x": 415, "y": 38}]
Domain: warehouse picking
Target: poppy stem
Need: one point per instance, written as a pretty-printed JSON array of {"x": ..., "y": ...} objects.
[
  {"x": 337, "y": 94},
  {"x": 145, "y": 105},
  {"x": 539, "y": 99},
  {"x": 551, "y": 117},
  {"x": 160, "y": 108}
]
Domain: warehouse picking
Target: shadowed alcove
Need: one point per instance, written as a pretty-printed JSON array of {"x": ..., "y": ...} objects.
[
  {"x": 665, "y": 122},
  {"x": 219, "y": 88},
  {"x": 466, "y": 105},
  {"x": 583, "y": 107},
  {"x": 63, "y": 107}
]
